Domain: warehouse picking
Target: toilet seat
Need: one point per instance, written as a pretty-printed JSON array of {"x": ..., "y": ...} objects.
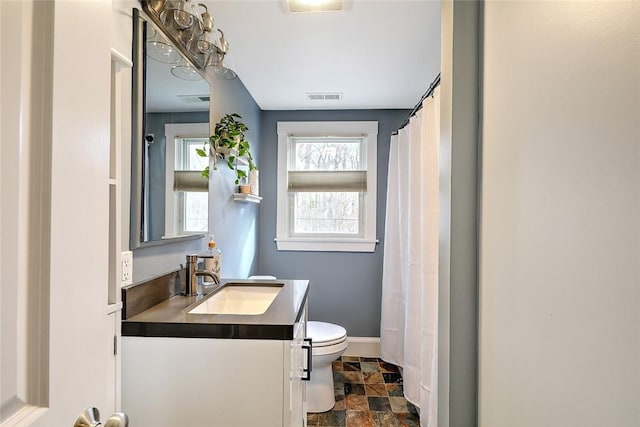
[{"x": 324, "y": 334}]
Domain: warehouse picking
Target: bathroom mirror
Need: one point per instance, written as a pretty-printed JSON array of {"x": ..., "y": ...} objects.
[{"x": 170, "y": 118}]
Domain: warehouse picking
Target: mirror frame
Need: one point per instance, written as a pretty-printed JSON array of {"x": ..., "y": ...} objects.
[{"x": 137, "y": 207}]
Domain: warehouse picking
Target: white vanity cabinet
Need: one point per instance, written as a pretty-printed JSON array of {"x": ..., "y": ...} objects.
[{"x": 169, "y": 382}]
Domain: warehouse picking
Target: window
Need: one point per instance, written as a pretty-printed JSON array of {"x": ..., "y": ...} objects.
[
  {"x": 186, "y": 194},
  {"x": 327, "y": 186},
  {"x": 192, "y": 206}
]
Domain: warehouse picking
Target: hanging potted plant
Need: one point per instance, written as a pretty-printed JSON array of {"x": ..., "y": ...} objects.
[{"x": 229, "y": 144}]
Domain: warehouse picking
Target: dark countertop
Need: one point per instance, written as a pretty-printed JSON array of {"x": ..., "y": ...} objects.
[{"x": 170, "y": 319}]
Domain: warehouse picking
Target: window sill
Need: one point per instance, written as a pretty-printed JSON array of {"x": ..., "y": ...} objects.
[
  {"x": 326, "y": 245},
  {"x": 243, "y": 197}
]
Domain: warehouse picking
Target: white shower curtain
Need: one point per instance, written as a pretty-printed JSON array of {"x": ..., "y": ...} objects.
[{"x": 409, "y": 322}]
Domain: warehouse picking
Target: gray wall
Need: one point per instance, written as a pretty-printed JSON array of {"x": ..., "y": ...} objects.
[
  {"x": 457, "y": 275},
  {"x": 345, "y": 287},
  {"x": 157, "y": 163},
  {"x": 235, "y": 225}
]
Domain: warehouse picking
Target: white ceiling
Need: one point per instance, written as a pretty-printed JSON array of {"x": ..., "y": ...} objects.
[{"x": 378, "y": 54}]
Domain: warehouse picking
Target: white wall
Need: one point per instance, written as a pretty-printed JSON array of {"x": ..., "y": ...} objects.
[
  {"x": 560, "y": 216},
  {"x": 121, "y": 40}
]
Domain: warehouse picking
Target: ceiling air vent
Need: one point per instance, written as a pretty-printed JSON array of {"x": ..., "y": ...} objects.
[
  {"x": 324, "y": 96},
  {"x": 194, "y": 99}
]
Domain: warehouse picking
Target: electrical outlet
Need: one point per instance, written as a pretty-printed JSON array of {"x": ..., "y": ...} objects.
[{"x": 126, "y": 268}]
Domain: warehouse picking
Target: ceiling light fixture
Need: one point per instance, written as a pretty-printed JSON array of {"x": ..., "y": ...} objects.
[
  {"x": 314, "y": 5},
  {"x": 189, "y": 26}
]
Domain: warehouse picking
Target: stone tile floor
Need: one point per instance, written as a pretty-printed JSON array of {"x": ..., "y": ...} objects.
[{"x": 368, "y": 394}]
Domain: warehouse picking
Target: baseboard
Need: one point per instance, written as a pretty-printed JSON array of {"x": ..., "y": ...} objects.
[{"x": 363, "y": 347}]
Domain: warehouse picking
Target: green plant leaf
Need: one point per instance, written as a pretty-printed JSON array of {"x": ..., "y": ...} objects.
[
  {"x": 229, "y": 133},
  {"x": 201, "y": 152},
  {"x": 205, "y": 172}
]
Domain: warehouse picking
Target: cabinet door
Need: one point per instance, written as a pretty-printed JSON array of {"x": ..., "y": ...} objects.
[
  {"x": 195, "y": 382},
  {"x": 298, "y": 387}
]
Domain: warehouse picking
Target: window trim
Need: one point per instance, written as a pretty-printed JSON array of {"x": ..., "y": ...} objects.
[{"x": 364, "y": 243}]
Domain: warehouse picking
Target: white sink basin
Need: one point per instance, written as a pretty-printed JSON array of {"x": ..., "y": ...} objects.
[{"x": 239, "y": 299}]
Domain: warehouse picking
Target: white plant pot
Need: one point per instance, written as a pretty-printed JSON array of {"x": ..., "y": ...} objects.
[{"x": 253, "y": 182}]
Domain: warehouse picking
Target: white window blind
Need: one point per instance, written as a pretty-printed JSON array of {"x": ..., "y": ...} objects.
[
  {"x": 190, "y": 181},
  {"x": 300, "y": 181}
]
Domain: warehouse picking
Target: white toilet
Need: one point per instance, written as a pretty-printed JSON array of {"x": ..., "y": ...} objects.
[{"x": 329, "y": 342}]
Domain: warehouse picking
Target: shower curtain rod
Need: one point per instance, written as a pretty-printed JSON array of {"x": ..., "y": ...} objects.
[{"x": 432, "y": 87}]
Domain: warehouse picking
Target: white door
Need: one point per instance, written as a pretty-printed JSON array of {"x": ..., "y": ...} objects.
[{"x": 56, "y": 333}]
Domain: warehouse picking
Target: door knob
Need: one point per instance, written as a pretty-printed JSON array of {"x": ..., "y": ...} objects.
[
  {"x": 119, "y": 419},
  {"x": 91, "y": 418}
]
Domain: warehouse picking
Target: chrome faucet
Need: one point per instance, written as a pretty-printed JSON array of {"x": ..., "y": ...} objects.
[{"x": 191, "y": 283}]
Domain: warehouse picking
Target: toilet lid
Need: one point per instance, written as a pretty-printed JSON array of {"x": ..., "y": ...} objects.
[{"x": 323, "y": 334}]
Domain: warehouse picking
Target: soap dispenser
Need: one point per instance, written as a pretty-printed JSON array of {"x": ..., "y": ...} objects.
[{"x": 214, "y": 261}]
